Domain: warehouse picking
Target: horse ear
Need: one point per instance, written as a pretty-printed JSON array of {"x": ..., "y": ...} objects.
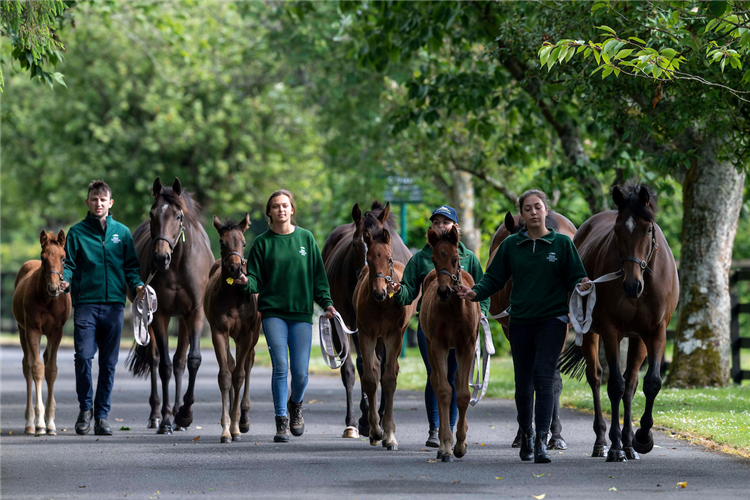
[
  {"x": 644, "y": 196},
  {"x": 177, "y": 187},
  {"x": 61, "y": 238},
  {"x": 386, "y": 236},
  {"x": 510, "y": 223},
  {"x": 245, "y": 223},
  {"x": 618, "y": 197},
  {"x": 453, "y": 235},
  {"x": 217, "y": 224},
  {"x": 43, "y": 238},
  {"x": 356, "y": 214},
  {"x": 367, "y": 237},
  {"x": 432, "y": 237},
  {"x": 156, "y": 190},
  {"x": 385, "y": 213}
]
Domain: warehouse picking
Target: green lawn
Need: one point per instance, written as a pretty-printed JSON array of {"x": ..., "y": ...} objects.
[{"x": 718, "y": 417}]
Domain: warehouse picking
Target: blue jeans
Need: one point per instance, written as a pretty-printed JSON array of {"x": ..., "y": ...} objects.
[
  {"x": 430, "y": 400},
  {"x": 297, "y": 336},
  {"x": 97, "y": 326}
]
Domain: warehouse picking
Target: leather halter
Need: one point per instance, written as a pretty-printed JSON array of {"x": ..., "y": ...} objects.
[
  {"x": 57, "y": 273},
  {"x": 242, "y": 259},
  {"x": 177, "y": 239},
  {"x": 456, "y": 278},
  {"x": 388, "y": 279},
  {"x": 643, "y": 264}
]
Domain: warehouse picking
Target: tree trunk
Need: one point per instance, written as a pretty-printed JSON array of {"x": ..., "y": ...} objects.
[
  {"x": 712, "y": 194},
  {"x": 462, "y": 199}
]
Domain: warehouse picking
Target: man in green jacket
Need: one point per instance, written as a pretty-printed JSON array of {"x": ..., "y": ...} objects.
[{"x": 100, "y": 262}]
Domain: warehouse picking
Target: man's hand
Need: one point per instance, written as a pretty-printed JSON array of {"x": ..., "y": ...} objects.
[
  {"x": 464, "y": 292},
  {"x": 242, "y": 280},
  {"x": 140, "y": 291},
  {"x": 329, "y": 312},
  {"x": 64, "y": 285},
  {"x": 585, "y": 284},
  {"x": 393, "y": 287}
]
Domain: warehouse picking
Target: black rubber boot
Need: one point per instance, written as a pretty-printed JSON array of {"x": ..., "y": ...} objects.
[
  {"x": 527, "y": 446},
  {"x": 282, "y": 430},
  {"x": 296, "y": 421},
  {"x": 83, "y": 423},
  {"x": 433, "y": 441},
  {"x": 540, "y": 449}
]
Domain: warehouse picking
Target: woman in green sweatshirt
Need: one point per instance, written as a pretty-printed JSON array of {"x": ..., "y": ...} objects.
[
  {"x": 545, "y": 267},
  {"x": 419, "y": 266},
  {"x": 285, "y": 269}
]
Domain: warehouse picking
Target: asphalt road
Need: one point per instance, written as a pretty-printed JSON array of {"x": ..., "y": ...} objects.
[{"x": 137, "y": 463}]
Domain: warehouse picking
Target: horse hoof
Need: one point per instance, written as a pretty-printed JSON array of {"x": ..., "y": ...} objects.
[
  {"x": 183, "y": 421},
  {"x": 631, "y": 453},
  {"x": 29, "y": 431},
  {"x": 616, "y": 456},
  {"x": 447, "y": 458},
  {"x": 517, "y": 440},
  {"x": 364, "y": 430},
  {"x": 641, "y": 444},
  {"x": 226, "y": 439},
  {"x": 439, "y": 455},
  {"x": 557, "y": 443},
  {"x": 245, "y": 428},
  {"x": 153, "y": 423},
  {"x": 179, "y": 428},
  {"x": 392, "y": 447},
  {"x": 41, "y": 430},
  {"x": 350, "y": 432},
  {"x": 459, "y": 452},
  {"x": 600, "y": 450},
  {"x": 164, "y": 429},
  {"x": 236, "y": 437},
  {"x": 375, "y": 442},
  {"x": 51, "y": 432}
]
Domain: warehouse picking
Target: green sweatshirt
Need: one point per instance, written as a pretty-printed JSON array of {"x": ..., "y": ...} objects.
[
  {"x": 542, "y": 277},
  {"x": 287, "y": 273},
  {"x": 420, "y": 265},
  {"x": 99, "y": 264}
]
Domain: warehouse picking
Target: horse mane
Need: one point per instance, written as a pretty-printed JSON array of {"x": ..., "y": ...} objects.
[
  {"x": 632, "y": 200},
  {"x": 371, "y": 216},
  {"x": 184, "y": 201},
  {"x": 230, "y": 225}
]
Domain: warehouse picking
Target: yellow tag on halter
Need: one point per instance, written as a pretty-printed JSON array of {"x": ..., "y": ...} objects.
[
  {"x": 230, "y": 281},
  {"x": 390, "y": 295}
]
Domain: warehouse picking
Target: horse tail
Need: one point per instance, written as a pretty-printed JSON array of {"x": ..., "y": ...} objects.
[
  {"x": 139, "y": 360},
  {"x": 572, "y": 362}
]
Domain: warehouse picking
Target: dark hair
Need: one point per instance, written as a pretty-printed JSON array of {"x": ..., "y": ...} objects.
[
  {"x": 533, "y": 192},
  {"x": 99, "y": 187},
  {"x": 281, "y": 192}
]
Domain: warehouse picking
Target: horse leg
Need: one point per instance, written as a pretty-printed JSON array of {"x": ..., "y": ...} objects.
[
  {"x": 643, "y": 441},
  {"x": 50, "y": 374},
  {"x": 636, "y": 355},
  {"x": 184, "y": 416},
  {"x": 220, "y": 341},
  {"x": 590, "y": 349},
  {"x": 348, "y": 379},
  {"x": 389, "y": 382},
  {"x": 238, "y": 380},
  {"x": 364, "y": 407},
  {"x": 154, "y": 419},
  {"x": 245, "y": 405},
  {"x": 615, "y": 391},
  {"x": 381, "y": 357},
  {"x": 370, "y": 379},
  {"x": 556, "y": 441},
  {"x": 178, "y": 367},
  {"x": 438, "y": 358},
  {"x": 27, "y": 374},
  {"x": 165, "y": 372},
  {"x": 463, "y": 396},
  {"x": 37, "y": 371}
]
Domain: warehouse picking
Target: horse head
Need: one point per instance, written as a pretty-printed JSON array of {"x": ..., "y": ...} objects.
[
  {"x": 635, "y": 233},
  {"x": 232, "y": 243},
  {"x": 358, "y": 245},
  {"x": 379, "y": 262},
  {"x": 53, "y": 260},
  {"x": 447, "y": 263},
  {"x": 167, "y": 216}
]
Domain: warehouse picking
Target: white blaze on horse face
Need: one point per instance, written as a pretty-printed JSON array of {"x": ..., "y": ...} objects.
[
  {"x": 630, "y": 224},
  {"x": 165, "y": 206}
]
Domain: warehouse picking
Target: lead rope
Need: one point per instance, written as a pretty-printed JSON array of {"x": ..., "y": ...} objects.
[
  {"x": 143, "y": 312},
  {"x": 481, "y": 380},
  {"x": 580, "y": 317},
  {"x": 334, "y": 359}
]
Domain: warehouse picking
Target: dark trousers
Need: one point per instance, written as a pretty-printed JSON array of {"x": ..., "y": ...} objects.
[
  {"x": 430, "y": 400},
  {"x": 97, "y": 326},
  {"x": 535, "y": 349}
]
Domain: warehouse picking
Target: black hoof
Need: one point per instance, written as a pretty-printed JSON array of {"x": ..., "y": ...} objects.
[
  {"x": 517, "y": 440},
  {"x": 557, "y": 443},
  {"x": 616, "y": 456},
  {"x": 245, "y": 428},
  {"x": 364, "y": 429},
  {"x": 236, "y": 438},
  {"x": 600, "y": 450},
  {"x": 631, "y": 453},
  {"x": 392, "y": 447},
  {"x": 226, "y": 439},
  {"x": 244, "y": 422},
  {"x": 51, "y": 432},
  {"x": 447, "y": 458},
  {"x": 164, "y": 429},
  {"x": 439, "y": 455},
  {"x": 643, "y": 444},
  {"x": 458, "y": 453},
  {"x": 41, "y": 430},
  {"x": 183, "y": 419},
  {"x": 153, "y": 423}
]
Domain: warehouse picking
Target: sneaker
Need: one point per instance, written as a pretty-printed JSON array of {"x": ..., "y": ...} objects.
[
  {"x": 83, "y": 423},
  {"x": 296, "y": 421},
  {"x": 433, "y": 441},
  {"x": 282, "y": 430}
]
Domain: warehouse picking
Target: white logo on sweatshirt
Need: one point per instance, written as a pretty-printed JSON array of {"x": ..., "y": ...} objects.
[
  {"x": 302, "y": 251},
  {"x": 115, "y": 238},
  {"x": 552, "y": 257}
]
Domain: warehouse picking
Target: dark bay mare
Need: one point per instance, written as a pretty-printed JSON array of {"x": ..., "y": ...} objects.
[
  {"x": 449, "y": 322},
  {"x": 344, "y": 254},
  {"x": 232, "y": 313},
  {"x": 500, "y": 301},
  {"x": 173, "y": 246},
  {"x": 40, "y": 308},
  {"x": 381, "y": 323},
  {"x": 639, "y": 307}
]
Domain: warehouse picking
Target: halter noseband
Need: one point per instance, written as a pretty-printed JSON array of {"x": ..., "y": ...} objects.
[
  {"x": 456, "y": 278},
  {"x": 177, "y": 240},
  {"x": 242, "y": 259},
  {"x": 643, "y": 264},
  {"x": 388, "y": 279}
]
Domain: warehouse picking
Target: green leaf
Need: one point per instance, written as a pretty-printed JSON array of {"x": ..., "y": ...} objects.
[
  {"x": 598, "y": 68},
  {"x": 607, "y": 71},
  {"x": 609, "y": 45},
  {"x": 635, "y": 39},
  {"x": 717, "y": 8},
  {"x": 597, "y": 56},
  {"x": 607, "y": 28},
  {"x": 623, "y": 53},
  {"x": 657, "y": 72},
  {"x": 668, "y": 53},
  {"x": 617, "y": 72},
  {"x": 746, "y": 77}
]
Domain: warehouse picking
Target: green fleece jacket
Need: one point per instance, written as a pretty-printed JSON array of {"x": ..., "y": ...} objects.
[
  {"x": 99, "y": 263},
  {"x": 287, "y": 273},
  {"x": 420, "y": 265},
  {"x": 543, "y": 271}
]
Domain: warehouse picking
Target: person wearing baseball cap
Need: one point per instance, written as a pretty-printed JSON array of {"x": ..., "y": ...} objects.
[{"x": 443, "y": 218}]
